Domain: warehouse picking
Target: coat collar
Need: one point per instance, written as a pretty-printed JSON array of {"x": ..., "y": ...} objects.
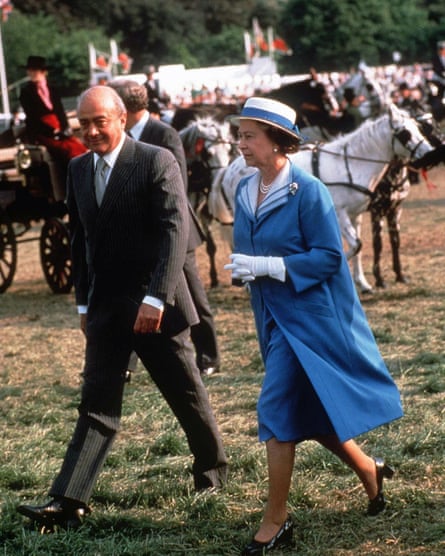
[{"x": 278, "y": 195}]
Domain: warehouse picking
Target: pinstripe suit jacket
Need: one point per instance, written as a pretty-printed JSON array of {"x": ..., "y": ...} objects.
[
  {"x": 164, "y": 135},
  {"x": 136, "y": 241}
]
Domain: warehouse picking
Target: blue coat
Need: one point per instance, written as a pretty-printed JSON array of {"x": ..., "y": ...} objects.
[{"x": 317, "y": 308}]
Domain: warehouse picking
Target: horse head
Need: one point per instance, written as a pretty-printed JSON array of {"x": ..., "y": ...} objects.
[
  {"x": 435, "y": 136},
  {"x": 408, "y": 141},
  {"x": 209, "y": 142},
  {"x": 209, "y": 146},
  {"x": 218, "y": 144}
]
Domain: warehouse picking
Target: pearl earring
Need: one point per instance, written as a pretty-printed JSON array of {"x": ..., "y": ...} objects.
[{"x": 275, "y": 150}]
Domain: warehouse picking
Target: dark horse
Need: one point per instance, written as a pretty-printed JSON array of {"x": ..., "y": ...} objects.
[
  {"x": 319, "y": 114},
  {"x": 314, "y": 106}
]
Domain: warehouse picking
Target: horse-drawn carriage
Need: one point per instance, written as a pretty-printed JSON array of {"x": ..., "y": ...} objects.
[{"x": 32, "y": 190}]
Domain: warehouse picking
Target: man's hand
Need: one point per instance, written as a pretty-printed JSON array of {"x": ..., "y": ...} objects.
[{"x": 148, "y": 320}]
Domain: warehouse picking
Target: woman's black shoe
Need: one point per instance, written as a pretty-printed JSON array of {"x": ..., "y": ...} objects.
[
  {"x": 284, "y": 536},
  {"x": 377, "y": 504}
]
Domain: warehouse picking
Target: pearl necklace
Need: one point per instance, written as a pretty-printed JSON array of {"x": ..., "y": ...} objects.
[{"x": 264, "y": 189}]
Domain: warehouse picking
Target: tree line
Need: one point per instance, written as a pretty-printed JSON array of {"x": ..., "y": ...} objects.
[{"x": 330, "y": 35}]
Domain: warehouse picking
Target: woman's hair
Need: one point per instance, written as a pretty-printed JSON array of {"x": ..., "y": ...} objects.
[{"x": 285, "y": 142}]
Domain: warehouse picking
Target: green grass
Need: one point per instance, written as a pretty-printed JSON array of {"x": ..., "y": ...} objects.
[{"x": 144, "y": 502}]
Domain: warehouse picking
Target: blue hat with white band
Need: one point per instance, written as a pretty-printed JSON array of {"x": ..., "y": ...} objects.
[{"x": 270, "y": 112}]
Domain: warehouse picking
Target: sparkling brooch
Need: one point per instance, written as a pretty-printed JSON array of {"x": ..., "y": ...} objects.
[{"x": 293, "y": 188}]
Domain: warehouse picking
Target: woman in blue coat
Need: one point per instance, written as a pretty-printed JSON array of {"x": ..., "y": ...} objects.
[{"x": 325, "y": 379}]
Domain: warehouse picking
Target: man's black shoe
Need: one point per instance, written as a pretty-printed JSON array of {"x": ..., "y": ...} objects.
[{"x": 56, "y": 512}]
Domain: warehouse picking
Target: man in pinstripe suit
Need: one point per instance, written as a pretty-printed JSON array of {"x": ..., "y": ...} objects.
[
  {"x": 143, "y": 127},
  {"x": 128, "y": 251}
]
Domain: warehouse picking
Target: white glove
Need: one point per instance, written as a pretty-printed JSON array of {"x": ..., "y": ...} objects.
[{"x": 247, "y": 268}]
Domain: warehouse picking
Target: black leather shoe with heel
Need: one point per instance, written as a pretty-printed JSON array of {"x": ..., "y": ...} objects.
[
  {"x": 383, "y": 471},
  {"x": 68, "y": 515},
  {"x": 283, "y": 537}
]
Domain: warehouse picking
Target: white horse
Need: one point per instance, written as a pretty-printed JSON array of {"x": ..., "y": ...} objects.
[
  {"x": 208, "y": 145},
  {"x": 352, "y": 167}
]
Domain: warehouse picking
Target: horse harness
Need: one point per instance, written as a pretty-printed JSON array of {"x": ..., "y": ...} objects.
[
  {"x": 315, "y": 162},
  {"x": 391, "y": 170}
]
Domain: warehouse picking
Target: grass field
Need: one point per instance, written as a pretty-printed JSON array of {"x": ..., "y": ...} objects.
[{"x": 144, "y": 503}]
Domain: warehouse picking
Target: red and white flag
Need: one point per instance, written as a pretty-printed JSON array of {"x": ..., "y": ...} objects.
[
  {"x": 280, "y": 45},
  {"x": 5, "y": 9},
  {"x": 258, "y": 35}
]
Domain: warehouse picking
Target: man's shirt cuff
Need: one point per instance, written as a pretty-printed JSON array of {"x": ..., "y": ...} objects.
[{"x": 154, "y": 302}]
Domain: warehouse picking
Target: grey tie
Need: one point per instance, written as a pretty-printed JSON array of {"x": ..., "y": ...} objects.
[{"x": 100, "y": 179}]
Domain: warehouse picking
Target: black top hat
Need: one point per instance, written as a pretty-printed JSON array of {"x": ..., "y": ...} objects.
[{"x": 36, "y": 63}]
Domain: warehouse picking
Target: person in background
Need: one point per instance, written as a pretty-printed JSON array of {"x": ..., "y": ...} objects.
[
  {"x": 143, "y": 127},
  {"x": 129, "y": 227},
  {"x": 411, "y": 100},
  {"x": 351, "y": 116},
  {"x": 152, "y": 84},
  {"x": 374, "y": 100},
  {"x": 325, "y": 379},
  {"x": 46, "y": 121}
]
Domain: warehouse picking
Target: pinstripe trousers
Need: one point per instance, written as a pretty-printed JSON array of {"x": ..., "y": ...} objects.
[{"x": 169, "y": 360}]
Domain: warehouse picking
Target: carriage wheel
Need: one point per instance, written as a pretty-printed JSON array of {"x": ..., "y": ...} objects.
[
  {"x": 55, "y": 255},
  {"x": 8, "y": 252}
]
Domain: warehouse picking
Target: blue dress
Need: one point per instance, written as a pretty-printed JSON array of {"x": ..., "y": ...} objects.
[{"x": 323, "y": 370}]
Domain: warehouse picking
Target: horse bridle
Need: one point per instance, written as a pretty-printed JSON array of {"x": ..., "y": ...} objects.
[{"x": 403, "y": 135}]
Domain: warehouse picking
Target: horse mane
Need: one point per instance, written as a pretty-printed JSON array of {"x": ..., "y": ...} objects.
[
  {"x": 367, "y": 128},
  {"x": 366, "y": 137}
]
